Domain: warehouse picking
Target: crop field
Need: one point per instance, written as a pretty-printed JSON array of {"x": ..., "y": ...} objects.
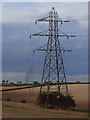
[{"x": 14, "y": 107}]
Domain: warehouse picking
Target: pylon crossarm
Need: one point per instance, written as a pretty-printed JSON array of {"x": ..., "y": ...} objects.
[
  {"x": 51, "y": 21},
  {"x": 51, "y": 50},
  {"x": 42, "y": 19},
  {"x": 46, "y": 34},
  {"x": 43, "y": 33},
  {"x": 46, "y": 19},
  {"x": 59, "y": 20},
  {"x": 66, "y": 35}
]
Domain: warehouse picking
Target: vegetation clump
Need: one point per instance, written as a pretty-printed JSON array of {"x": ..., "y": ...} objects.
[
  {"x": 55, "y": 99},
  {"x": 7, "y": 99},
  {"x": 23, "y": 101}
]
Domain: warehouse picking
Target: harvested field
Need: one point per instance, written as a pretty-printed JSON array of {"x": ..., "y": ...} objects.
[
  {"x": 27, "y": 110},
  {"x": 78, "y": 91},
  {"x": 30, "y": 95},
  {"x": 80, "y": 95}
]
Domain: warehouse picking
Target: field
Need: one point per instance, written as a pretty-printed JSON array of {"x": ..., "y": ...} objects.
[{"x": 15, "y": 109}]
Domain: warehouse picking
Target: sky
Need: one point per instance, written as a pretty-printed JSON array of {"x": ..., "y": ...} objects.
[{"x": 18, "y": 22}]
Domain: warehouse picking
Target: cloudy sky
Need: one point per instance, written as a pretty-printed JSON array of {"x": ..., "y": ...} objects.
[{"x": 18, "y": 22}]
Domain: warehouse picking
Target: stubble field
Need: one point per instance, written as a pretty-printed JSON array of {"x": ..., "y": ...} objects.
[{"x": 78, "y": 91}]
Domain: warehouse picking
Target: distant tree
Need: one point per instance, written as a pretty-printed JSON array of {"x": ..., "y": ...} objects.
[
  {"x": 12, "y": 83},
  {"x": 35, "y": 83},
  {"x": 47, "y": 83},
  {"x": 20, "y": 82},
  {"x": 24, "y": 84},
  {"x": 7, "y": 81},
  {"x": 78, "y": 82},
  {"x": 3, "y": 81}
]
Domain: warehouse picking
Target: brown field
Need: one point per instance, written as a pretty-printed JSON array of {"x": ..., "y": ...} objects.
[
  {"x": 78, "y": 91},
  {"x": 27, "y": 110},
  {"x": 11, "y": 87}
]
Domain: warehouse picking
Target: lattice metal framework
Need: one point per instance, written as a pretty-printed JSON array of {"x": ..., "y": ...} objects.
[{"x": 53, "y": 69}]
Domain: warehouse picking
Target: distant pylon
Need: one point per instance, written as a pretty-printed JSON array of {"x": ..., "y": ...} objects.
[{"x": 53, "y": 69}]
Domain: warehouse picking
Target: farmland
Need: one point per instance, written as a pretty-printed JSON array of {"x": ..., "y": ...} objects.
[{"x": 14, "y": 107}]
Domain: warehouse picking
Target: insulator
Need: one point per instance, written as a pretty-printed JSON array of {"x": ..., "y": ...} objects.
[
  {"x": 61, "y": 22},
  {"x": 35, "y": 22},
  {"x": 67, "y": 37},
  {"x": 33, "y": 51}
]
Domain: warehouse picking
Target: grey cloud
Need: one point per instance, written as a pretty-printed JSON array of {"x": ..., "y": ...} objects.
[{"x": 17, "y": 48}]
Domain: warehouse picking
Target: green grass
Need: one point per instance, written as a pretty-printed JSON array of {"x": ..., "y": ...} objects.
[
  {"x": 82, "y": 111},
  {"x": 9, "y": 106}
]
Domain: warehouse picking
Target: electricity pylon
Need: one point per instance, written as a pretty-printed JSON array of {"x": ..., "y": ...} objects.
[{"x": 53, "y": 69}]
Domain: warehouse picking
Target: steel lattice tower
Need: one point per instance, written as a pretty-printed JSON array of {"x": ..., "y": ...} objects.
[{"x": 53, "y": 69}]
